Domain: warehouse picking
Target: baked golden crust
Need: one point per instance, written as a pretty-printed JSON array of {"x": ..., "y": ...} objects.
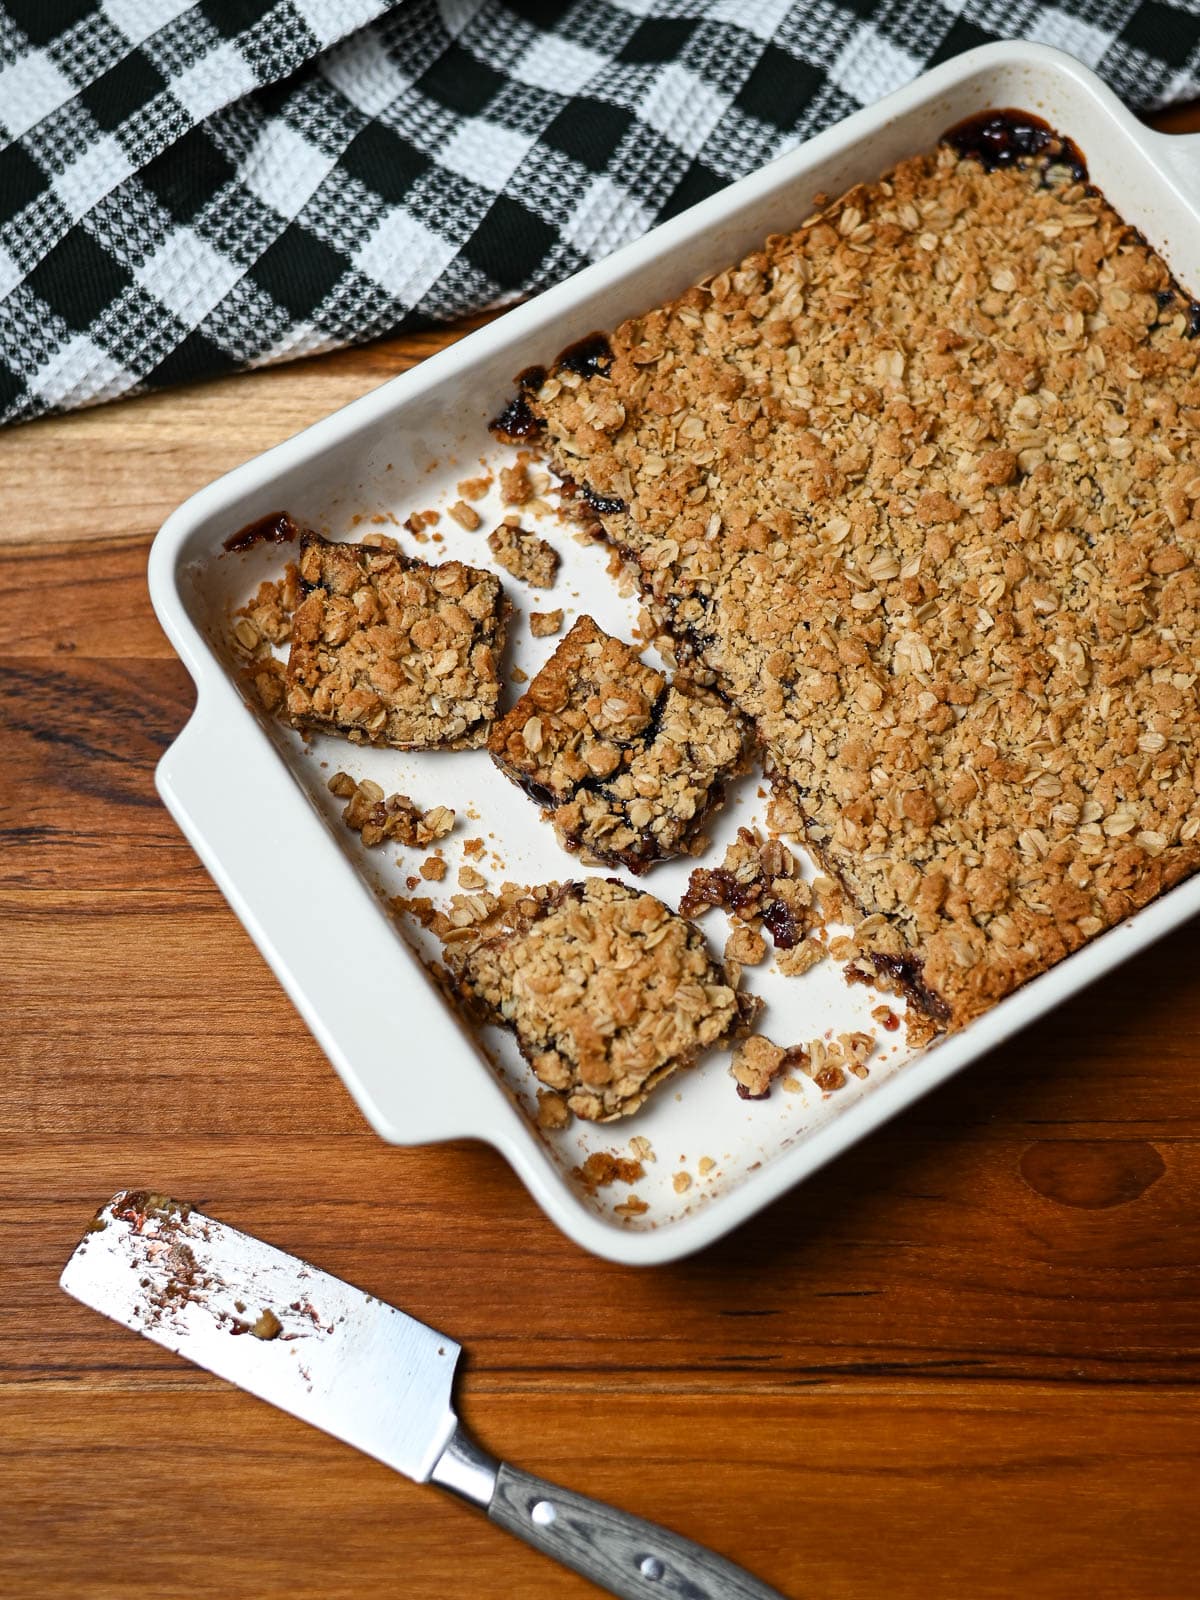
[
  {"x": 627, "y": 765},
  {"x": 391, "y": 651},
  {"x": 607, "y": 990},
  {"x": 919, "y": 485},
  {"x": 525, "y": 555}
]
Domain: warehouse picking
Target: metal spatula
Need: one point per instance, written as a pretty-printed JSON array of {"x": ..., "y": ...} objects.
[{"x": 364, "y": 1372}]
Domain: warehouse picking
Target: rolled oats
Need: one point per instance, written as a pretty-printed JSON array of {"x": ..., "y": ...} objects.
[
  {"x": 627, "y": 766},
  {"x": 387, "y": 650},
  {"x": 946, "y": 554}
]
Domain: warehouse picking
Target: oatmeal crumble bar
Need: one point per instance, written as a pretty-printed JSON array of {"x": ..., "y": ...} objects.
[
  {"x": 626, "y": 765},
  {"x": 919, "y": 485},
  {"x": 607, "y": 991},
  {"x": 388, "y": 650},
  {"x": 524, "y": 555}
]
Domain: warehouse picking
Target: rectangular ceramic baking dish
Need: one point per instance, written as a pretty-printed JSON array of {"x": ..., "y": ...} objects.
[{"x": 252, "y": 797}]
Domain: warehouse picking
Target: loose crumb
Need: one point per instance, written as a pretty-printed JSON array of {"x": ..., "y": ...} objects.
[
  {"x": 515, "y": 487},
  {"x": 267, "y": 682},
  {"x": 545, "y": 624},
  {"x": 474, "y": 488},
  {"x": 682, "y": 1182},
  {"x": 553, "y": 1111},
  {"x": 519, "y": 675},
  {"x": 705, "y": 1165},
  {"x": 746, "y": 946},
  {"x": 474, "y": 848},
  {"x": 267, "y": 618},
  {"x": 466, "y": 516},
  {"x": 633, "y": 1207},
  {"x": 433, "y": 869},
  {"x": 468, "y": 878},
  {"x": 642, "y": 1148},
  {"x": 524, "y": 555},
  {"x": 756, "y": 1061},
  {"x": 375, "y": 818},
  {"x": 600, "y": 1169}
]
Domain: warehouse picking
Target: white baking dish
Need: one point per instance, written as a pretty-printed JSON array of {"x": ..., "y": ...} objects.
[{"x": 252, "y": 799}]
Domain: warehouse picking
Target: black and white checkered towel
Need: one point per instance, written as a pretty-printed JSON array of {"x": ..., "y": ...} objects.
[{"x": 190, "y": 188}]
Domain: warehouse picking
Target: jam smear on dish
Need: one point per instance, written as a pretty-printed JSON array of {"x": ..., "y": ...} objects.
[
  {"x": 590, "y": 356},
  {"x": 1005, "y": 138},
  {"x": 276, "y": 527},
  {"x": 531, "y": 378},
  {"x": 516, "y": 422}
]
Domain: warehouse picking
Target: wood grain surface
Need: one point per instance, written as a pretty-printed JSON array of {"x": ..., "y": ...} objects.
[{"x": 963, "y": 1362}]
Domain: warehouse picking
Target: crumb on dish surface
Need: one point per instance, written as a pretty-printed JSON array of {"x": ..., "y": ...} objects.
[
  {"x": 524, "y": 555},
  {"x": 545, "y": 624},
  {"x": 377, "y": 818}
]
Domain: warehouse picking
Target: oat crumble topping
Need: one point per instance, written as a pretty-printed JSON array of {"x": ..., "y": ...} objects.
[
  {"x": 389, "y": 650},
  {"x": 627, "y": 766},
  {"x": 544, "y": 624},
  {"x": 918, "y": 484},
  {"x": 607, "y": 991},
  {"x": 524, "y": 555}
]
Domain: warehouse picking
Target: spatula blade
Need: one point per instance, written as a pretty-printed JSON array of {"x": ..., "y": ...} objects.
[{"x": 271, "y": 1324}]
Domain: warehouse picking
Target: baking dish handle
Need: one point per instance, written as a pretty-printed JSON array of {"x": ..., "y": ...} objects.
[{"x": 324, "y": 933}]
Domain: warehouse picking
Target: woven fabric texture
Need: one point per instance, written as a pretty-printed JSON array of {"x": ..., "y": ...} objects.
[{"x": 186, "y": 189}]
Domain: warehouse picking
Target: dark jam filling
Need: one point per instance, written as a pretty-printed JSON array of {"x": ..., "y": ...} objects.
[
  {"x": 516, "y": 422},
  {"x": 639, "y": 857},
  {"x": 604, "y": 505},
  {"x": 785, "y": 930},
  {"x": 717, "y": 886},
  {"x": 275, "y": 528},
  {"x": 1007, "y": 138},
  {"x": 590, "y": 357},
  {"x": 908, "y": 972}
]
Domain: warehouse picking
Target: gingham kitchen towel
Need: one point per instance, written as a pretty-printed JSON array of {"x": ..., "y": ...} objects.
[{"x": 190, "y": 188}]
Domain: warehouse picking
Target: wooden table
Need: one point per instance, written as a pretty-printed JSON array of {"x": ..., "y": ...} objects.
[{"x": 962, "y": 1362}]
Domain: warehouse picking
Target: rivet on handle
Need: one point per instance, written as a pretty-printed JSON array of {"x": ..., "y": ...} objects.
[
  {"x": 651, "y": 1567},
  {"x": 543, "y": 1513}
]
